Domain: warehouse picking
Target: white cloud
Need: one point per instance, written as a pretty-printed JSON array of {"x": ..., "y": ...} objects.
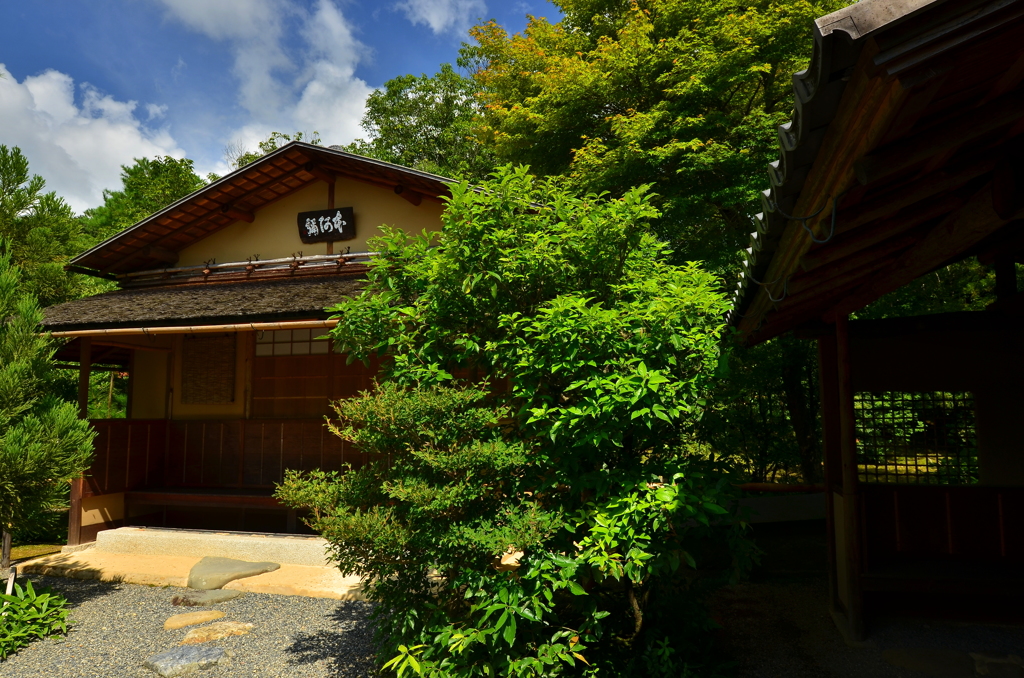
[
  {"x": 156, "y": 111},
  {"x": 284, "y": 84},
  {"x": 443, "y": 15},
  {"x": 77, "y": 148}
]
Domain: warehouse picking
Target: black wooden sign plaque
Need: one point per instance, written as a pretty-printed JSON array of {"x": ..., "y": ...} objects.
[{"x": 327, "y": 225}]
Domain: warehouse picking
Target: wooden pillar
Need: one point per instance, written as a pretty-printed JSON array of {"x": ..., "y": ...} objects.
[
  {"x": 330, "y": 206},
  {"x": 1006, "y": 278},
  {"x": 75, "y": 512},
  {"x": 84, "y": 370},
  {"x": 828, "y": 380},
  {"x": 131, "y": 385},
  {"x": 849, "y": 585}
]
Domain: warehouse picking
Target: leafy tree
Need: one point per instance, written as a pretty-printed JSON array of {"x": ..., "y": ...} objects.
[
  {"x": 685, "y": 95},
  {"x": 147, "y": 186},
  {"x": 528, "y": 509},
  {"x": 763, "y": 415},
  {"x": 43, "y": 443},
  {"x": 239, "y": 156},
  {"x": 426, "y": 123},
  {"x": 682, "y": 94},
  {"x": 41, "y": 231}
]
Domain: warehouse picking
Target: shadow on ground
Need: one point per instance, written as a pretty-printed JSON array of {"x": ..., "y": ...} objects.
[
  {"x": 777, "y": 625},
  {"x": 77, "y": 593},
  {"x": 347, "y": 646}
]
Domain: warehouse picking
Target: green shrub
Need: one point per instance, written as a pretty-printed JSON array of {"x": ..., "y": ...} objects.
[
  {"x": 28, "y": 615},
  {"x": 527, "y": 510}
]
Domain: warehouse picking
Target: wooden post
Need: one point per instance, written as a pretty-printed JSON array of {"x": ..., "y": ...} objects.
[
  {"x": 5, "y": 549},
  {"x": 828, "y": 379},
  {"x": 851, "y": 536},
  {"x": 75, "y": 512},
  {"x": 131, "y": 385},
  {"x": 84, "y": 370},
  {"x": 330, "y": 206},
  {"x": 1006, "y": 278}
]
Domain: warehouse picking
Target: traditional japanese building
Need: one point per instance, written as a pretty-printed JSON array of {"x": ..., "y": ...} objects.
[
  {"x": 219, "y": 320},
  {"x": 903, "y": 157}
]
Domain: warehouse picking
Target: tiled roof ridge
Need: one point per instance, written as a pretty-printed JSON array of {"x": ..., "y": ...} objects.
[{"x": 817, "y": 93}]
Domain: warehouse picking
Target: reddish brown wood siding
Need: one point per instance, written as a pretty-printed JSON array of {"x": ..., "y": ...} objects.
[
  {"x": 137, "y": 454},
  {"x": 304, "y": 386}
]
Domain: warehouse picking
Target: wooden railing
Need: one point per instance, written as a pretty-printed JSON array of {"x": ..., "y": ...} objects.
[{"x": 136, "y": 454}]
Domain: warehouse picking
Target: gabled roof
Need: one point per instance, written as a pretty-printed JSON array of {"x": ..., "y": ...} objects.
[
  {"x": 890, "y": 168},
  {"x": 238, "y": 195}
]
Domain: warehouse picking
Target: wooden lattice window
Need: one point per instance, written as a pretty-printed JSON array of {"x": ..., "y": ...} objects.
[
  {"x": 920, "y": 438},
  {"x": 291, "y": 342},
  {"x": 208, "y": 369}
]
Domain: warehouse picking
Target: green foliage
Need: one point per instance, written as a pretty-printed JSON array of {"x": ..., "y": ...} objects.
[
  {"x": 240, "y": 156},
  {"x": 108, "y": 394},
  {"x": 526, "y": 509},
  {"x": 426, "y": 123},
  {"x": 40, "y": 229},
  {"x": 147, "y": 187},
  {"x": 682, "y": 94},
  {"x": 28, "y": 615},
  {"x": 43, "y": 443},
  {"x": 763, "y": 416}
]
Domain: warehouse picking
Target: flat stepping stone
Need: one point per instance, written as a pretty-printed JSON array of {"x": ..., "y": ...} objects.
[
  {"x": 212, "y": 572},
  {"x": 216, "y": 631},
  {"x": 180, "y": 621},
  {"x": 186, "y": 659},
  {"x": 204, "y": 598}
]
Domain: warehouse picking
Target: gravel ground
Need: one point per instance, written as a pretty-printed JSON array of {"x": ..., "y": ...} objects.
[
  {"x": 118, "y": 626},
  {"x": 777, "y": 625}
]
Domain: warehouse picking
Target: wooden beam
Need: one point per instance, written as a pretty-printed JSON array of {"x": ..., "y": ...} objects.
[
  {"x": 102, "y": 341},
  {"x": 949, "y": 134},
  {"x": 855, "y": 266},
  {"x": 901, "y": 196},
  {"x": 238, "y": 214},
  {"x": 954, "y": 234},
  {"x": 868, "y": 104},
  {"x": 162, "y": 254},
  {"x": 850, "y": 242},
  {"x": 320, "y": 173},
  {"x": 412, "y": 196},
  {"x": 807, "y": 307}
]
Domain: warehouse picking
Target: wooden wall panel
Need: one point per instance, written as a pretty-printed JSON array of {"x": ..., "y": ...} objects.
[
  {"x": 117, "y": 459},
  {"x": 963, "y": 524}
]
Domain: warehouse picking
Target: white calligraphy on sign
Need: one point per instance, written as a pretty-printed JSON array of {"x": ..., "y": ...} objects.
[{"x": 325, "y": 225}]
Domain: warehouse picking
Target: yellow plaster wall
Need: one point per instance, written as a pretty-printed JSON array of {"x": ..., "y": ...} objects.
[
  {"x": 105, "y": 508},
  {"x": 274, "y": 232},
  {"x": 149, "y": 384},
  {"x": 233, "y": 410}
]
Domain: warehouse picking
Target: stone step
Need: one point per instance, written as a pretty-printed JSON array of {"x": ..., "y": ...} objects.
[
  {"x": 149, "y": 541},
  {"x": 162, "y": 570}
]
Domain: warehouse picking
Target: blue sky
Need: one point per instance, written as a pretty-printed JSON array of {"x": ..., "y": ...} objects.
[{"x": 87, "y": 86}]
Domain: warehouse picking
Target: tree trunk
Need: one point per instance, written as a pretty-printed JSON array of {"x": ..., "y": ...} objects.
[{"x": 5, "y": 559}]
